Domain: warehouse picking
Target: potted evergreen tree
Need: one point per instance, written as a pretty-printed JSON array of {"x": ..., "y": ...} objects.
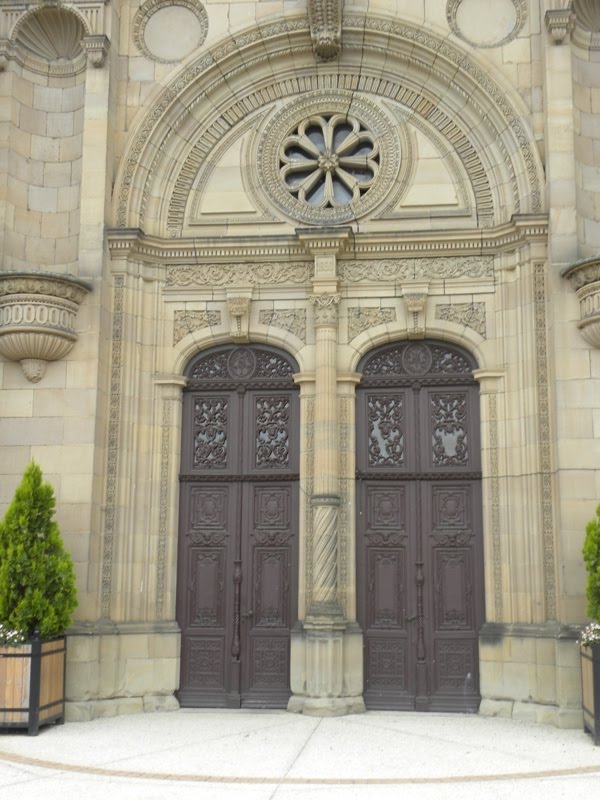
[
  {"x": 37, "y": 598},
  {"x": 590, "y": 636}
]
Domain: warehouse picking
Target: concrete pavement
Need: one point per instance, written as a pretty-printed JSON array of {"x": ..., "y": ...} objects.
[{"x": 273, "y": 755}]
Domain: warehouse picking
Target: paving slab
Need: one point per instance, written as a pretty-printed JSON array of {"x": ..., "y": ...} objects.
[{"x": 273, "y": 755}]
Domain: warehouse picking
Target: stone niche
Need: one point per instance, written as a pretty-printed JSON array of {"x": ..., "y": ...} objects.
[{"x": 37, "y": 318}]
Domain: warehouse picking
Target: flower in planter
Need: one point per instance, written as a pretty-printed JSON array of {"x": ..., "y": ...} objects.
[{"x": 590, "y": 634}]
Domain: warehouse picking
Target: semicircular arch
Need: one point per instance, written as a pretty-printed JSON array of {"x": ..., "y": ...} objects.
[{"x": 483, "y": 120}]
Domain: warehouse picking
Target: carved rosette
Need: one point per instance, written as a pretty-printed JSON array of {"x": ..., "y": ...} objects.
[
  {"x": 37, "y": 318},
  {"x": 584, "y": 277}
]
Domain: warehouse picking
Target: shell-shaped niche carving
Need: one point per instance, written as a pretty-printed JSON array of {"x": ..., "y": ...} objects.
[
  {"x": 51, "y": 34},
  {"x": 588, "y": 14}
]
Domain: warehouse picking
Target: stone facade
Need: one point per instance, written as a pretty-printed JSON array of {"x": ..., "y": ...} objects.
[{"x": 450, "y": 191}]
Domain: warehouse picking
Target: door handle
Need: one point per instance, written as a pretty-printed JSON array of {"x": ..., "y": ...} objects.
[
  {"x": 246, "y": 615},
  {"x": 411, "y": 619}
]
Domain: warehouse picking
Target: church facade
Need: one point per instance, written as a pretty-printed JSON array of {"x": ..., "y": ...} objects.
[{"x": 300, "y": 316}]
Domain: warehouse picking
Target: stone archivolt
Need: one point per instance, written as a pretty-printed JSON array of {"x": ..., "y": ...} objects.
[{"x": 462, "y": 93}]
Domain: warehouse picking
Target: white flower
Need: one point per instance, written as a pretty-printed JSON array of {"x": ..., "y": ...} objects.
[{"x": 590, "y": 634}]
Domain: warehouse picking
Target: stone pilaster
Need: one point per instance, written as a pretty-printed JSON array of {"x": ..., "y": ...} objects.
[{"x": 323, "y": 642}]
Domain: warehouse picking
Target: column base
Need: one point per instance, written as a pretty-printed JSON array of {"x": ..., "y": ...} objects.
[{"x": 326, "y": 706}]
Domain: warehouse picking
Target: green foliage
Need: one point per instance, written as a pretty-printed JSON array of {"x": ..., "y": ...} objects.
[
  {"x": 591, "y": 556},
  {"x": 37, "y": 579}
]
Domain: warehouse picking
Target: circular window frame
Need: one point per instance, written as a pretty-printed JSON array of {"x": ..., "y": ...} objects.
[
  {"x": 318, "y": 104},
  {"x": 520, "y": 7},
  {"x": 145, "y": 13}
]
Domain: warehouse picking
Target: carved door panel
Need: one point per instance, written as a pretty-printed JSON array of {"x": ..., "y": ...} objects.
[
  {"x": 237, "y": 584},
  {"x": 419, "y": 543}
]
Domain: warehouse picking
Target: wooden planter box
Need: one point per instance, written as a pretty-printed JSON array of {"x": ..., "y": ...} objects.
[
  {"x": 32, "y": 684},
  {"x": 590, "y": 684}
]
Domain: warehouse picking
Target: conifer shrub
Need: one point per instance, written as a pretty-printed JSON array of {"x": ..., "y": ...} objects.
[
  {"x": 37, "y": 580},
  {"x": 591, "y": 557}
]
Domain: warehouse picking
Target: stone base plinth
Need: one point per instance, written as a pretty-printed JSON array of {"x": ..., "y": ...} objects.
[{"x": 531, "y": 672}]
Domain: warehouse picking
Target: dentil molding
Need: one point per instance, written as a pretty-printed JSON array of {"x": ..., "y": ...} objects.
[{"x": 37, "y": 318}]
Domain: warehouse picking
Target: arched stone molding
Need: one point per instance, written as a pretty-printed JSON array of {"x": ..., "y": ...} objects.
[
  {"x": 426, "y": 74},
  {"x": 468, "y": 339},
  {"x": 205, "y": 338}
]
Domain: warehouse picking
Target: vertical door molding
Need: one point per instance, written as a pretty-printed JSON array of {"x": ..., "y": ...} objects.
[
  {"x": 168, "y": 403},
  {"x": 495, "y": 501}
]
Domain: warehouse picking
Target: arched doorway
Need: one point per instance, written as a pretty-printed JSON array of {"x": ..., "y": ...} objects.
[
  {"x": 237, "y": 563},
  {"x": 419, "y": 527}
]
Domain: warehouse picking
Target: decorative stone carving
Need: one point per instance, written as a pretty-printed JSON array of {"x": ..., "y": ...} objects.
[
  {"x": 584, "y": 277},
  {"x": 416, "y": 300},
  {"x": 52, "y": 38},
  {"x": 325, "y": 17},
  {"x": 360, "y": 319},
  {"x": 501, "y": 22},
  {"x": 37, "y": 318},
  {"x": 559, "y": 22},
  {"x": 240, "y": 274},
  {"x": 189, "y": 321},
  {"x": 96, "y": 48},
  {"x": 326, "y": 309},
  {"x": 51, "y": 34},
  {"x": 306, "y": 126},
  {"x": 289, "y": 319},
  {"x": 329, "y": 161},
  {"x": 239, "y": 308},
  {"x": 403, "y": 269},
  {"x": 472, "y": 315},
  {"x": 588, "y": 14},
  {"x": 187, "y": 22}
]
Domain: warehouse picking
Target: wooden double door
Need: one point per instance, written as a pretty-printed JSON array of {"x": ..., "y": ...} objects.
[
  {"x": 419, "y": 532},
  {"x": 238, "y": 540}
]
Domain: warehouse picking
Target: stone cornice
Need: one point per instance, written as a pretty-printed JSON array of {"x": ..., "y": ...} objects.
[{"x": 133, "y": 246}]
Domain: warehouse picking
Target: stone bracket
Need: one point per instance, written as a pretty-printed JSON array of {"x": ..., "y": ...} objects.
[
  {"x": 238, "y": 303},
  {"x": 559, "y": 23},
  {"x": 416, "y": 302},
  {"x": 96, "y": 49}
]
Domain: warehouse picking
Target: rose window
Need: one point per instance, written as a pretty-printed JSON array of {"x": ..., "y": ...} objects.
[{"x": 329, "y": 161}]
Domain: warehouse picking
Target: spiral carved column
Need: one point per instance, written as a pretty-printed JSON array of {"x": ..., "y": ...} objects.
[
  {"x": 326, "y": 647},
  {"x": 325, "y": 501}
]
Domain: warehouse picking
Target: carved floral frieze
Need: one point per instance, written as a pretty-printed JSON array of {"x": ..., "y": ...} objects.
[
  {"x": 37, "y": 318},
  {"x": 189, "y": 321},
  {"x": 361, "y": 319},
  {"x": 289, "y": 319},
  {"x": 472, "y": 315}
]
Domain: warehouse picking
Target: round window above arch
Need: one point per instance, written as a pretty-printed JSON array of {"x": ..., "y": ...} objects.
[{"x": 329, "y": 158}]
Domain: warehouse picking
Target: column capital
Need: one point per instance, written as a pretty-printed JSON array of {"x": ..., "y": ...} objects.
[{"x": 326, "y": 309}]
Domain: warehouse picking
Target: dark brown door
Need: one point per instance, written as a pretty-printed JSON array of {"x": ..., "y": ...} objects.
[
  {"x": 237, "y": 575},
  {"x": 419, "y": 538}
]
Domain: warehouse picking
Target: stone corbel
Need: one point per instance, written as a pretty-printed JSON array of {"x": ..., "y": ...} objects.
[
  {"x": 325, "y": 18},
  {"x": 584, "y": 277},
  {"x": 37, "y": 318},
  {"x": 559, "y": 23},
  {"x": 239, "y": 310},
  {"x": 96, "y": 49},
  {"x": 416, "y": 302}
]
